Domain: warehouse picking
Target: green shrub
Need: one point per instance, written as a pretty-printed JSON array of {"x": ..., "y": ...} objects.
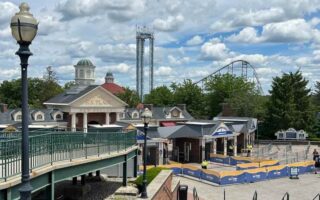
[{"x": 151, "y": 174}]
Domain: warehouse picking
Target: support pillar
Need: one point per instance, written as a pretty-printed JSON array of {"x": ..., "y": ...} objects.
[
  {"x": 83, "y": 179},
  {"x": 50, "y": 188},
  {"x": 214, "y": 146},
  {"x": 225, "y": 141},
  {"x": 73, "y": 122},
  {"x": 135, "y": 165},
  {"x": 74, "y": 181},
  {"x": 117, "y": 116},
  {"x": 235, "y": 143},
  {"x": 160, "y": 153},
  {"x": 203, "y": 149},
  {"x": 107, "y": 118},
  {"x": 98, "y": 173},
  {"x": 124, "y": 171},
  {"x": 85, "y": 122},
  {"x": 90, "y": 174}
]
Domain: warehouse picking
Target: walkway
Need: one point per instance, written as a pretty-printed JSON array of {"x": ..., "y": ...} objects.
[
  {"x": 57, "y": 156},
  {"x": 304, "y": 188}
]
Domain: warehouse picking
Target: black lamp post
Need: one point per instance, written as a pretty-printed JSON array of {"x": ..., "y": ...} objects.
[
  {"x": 24, "y": 28},
  {"x": 146, "y": 117}
]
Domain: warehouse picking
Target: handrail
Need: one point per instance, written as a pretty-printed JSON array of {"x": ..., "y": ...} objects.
[
  {"x": 255, "y": 196},
  {"x": 195, "y": 194},
  {"x": 286, "y": 195},
  {"x": 317, "y": 196},
  {"x": 47, "y": 148}
]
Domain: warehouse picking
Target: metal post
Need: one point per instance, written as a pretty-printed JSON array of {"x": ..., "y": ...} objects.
[
  {"x": 135, "y": 165},
  {"x": 144, "y": 183},
  {"x": 124, "y": 171},
  {"x": 26, "y": 188}
]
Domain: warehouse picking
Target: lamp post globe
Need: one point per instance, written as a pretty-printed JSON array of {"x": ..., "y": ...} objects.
[
  {"x": 24, "y": 29},
  {"x": 146, "y": 118}
]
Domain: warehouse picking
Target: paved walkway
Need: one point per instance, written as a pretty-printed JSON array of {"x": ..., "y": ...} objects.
[{"x": 304, "y": 188}]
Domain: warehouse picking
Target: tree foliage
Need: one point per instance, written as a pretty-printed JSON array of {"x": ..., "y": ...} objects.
[
  {"x": 191, "y": 95},
  {"x": 239, "y": 94},
  {"x": 289, "y": 104},
  {"x": 160, "y": 96},
  {"x": 317, "y": 93},
  {"x": 39, "y": 90},
  {"x": 130, "y": 97}
]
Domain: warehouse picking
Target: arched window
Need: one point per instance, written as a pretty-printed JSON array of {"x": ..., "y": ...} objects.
[
  {"x": 19, "y": 117},
  {"x": 58, "y": 117},
  {"x": 39, "y": 117},
  {"x": 135, "y": 115},
  {"x": 88, "y": 74},
  {"x": 81, "y": 75}
]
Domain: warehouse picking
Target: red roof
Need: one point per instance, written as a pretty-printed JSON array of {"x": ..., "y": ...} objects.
[
  {"x": 166, "y": 124},
  {"x": 113, "y": 88}
]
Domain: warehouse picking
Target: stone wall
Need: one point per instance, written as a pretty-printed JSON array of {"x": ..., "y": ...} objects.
[{"x": 163, "y": 187}]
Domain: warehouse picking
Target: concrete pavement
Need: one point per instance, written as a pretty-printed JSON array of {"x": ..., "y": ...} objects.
[{"x": 304, "y": 188}]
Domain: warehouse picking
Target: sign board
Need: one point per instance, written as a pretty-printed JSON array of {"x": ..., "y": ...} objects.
[
  {"x": 294, "y": 172},
  {"x": 221, "y": 131}
]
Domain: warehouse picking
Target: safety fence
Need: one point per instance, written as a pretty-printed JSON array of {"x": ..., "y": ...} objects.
[
  {"x": 47, "y": 148},
  {"x": 241, "y": 176}
]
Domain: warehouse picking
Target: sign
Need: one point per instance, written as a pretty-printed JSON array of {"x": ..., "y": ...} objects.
[
  {"x": 222, "y": 131},
  {"x": 294, "y": 172}
]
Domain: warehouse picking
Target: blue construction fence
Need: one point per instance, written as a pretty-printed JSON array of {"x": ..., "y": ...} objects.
[{"x": 241, "y": 176}]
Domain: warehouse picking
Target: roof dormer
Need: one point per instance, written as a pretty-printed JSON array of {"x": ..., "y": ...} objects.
[{"x": 38, "y": 116}]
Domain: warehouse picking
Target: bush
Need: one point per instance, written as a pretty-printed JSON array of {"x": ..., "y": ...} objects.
[{"x": 151, "y": 174}]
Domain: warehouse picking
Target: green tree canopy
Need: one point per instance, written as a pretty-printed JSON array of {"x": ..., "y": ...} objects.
[
  {"x": 317, "y": 93},
  {"x": 191, "y": 95},
  {"x": 40, "y": 90},
  {"x": 289, "y": 104},
  {"x": 130, "y": 97},
  {"x": 160, "y": 96},
  {"x": 239, "y": 94}
]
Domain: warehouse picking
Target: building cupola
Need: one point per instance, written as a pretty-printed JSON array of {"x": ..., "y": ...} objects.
[
  {"x": 84, "y": 72},
  {"x": 109, "y": 78}
]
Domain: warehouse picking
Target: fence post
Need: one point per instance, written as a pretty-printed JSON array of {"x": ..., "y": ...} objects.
[
  {"x": 51, "y": 148},
  {"x": 224, "y": 194}
]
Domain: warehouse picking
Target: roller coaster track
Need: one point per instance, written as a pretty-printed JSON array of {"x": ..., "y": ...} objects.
[{"x": 231, "y": 68}]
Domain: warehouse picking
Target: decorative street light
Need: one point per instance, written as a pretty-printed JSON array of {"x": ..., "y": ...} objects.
[
  {"x": 146, "y": 117},
  {"x": 24, "y": 28}
]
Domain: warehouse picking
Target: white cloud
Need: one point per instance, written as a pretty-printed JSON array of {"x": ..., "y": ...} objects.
[
  {"x": 49, "y": 24},
  {"x": 296, "y": 30},
  {"x": 214, "y": 50},
  {"x": 8, "y": 10},
  {"x": 118, "y": 52},
  {"x": 121, "y": 68},
  {"x": 6, "y": 32},
  {"x": 163, "y": 71},
  {"x": 195, "y": 40},
  {"x": 172, "y": 23},
  {"x": 246, "y": 35},
  {"x": 177, "y": 61}
]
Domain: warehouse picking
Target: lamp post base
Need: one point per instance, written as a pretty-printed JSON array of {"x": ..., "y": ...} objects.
[{"x": 25, "y": 191}]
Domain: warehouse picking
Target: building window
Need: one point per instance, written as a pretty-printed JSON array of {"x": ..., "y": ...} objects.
[
  {"x": 175, "y": 113},
  {"x": 81, "y": 73},
  {"x": 88, "y": 74},
  {"x": 39, "y": 117},
  {"x": 281, "y": 135},
  {"x": 135, "y": 115},
  {"x": 58, "y": 117},
  {"x": 123, "y": 115},
  {"x": 301, "y": 136},
  {"x": 19, "y": 117}
]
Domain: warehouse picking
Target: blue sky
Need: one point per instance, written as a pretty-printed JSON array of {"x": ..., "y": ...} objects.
[{"x": 192, "y": 38}]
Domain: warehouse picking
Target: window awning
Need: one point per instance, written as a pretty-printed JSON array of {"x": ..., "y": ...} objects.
[{"x": 166, "y": 124}]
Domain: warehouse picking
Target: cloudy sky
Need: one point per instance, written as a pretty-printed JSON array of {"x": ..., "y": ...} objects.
[{"x": 192, "y": 38}]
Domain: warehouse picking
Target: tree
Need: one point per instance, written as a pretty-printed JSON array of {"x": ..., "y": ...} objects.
[
  {"x": 130, "y": 97},
  {"x": 191, "y": 95},
  {"x": 239, "y": 94},
  {"x": 317, "y": 93},
  {"x": 160, "y": 96},
  {"x": 69, "y": 85},
  {"x": 39, "y": 90},
  {"x": 289, "y": 104}
]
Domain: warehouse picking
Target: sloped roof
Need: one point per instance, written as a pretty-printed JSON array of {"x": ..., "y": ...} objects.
[
  {"x": 70, "y": 95},
  {"x": 113, "y": 88},
  {"x": 179, "y": 132}
]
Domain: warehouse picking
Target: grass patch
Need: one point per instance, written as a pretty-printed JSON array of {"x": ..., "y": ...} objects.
[{"x": 151, "y": 174}]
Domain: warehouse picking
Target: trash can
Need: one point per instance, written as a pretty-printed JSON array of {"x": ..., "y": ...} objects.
[{"x": 183, "y": 192}]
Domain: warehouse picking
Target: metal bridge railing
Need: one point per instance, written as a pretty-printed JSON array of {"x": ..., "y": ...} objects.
[
  {"x": 47, "y": 148},
  {"x": 317, "y": 197}
]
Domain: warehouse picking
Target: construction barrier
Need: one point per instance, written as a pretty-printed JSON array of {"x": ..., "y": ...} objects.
[
  {"x": 232, "y": 160},
  {"x": 267, "y": 163},
  {"x": 241, "y": 176}
]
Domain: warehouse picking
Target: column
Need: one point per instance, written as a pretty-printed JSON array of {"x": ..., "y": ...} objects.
[
  {"x": 160, "y": 146},
  {"x": 235, "y": 143},
  {"x": 85, "y": 122},
  {"x": 124, "y": 171},
  {"x": 107, "y": 118},
  {"x": 117, "y": 116},
  {"x": 73, "y": 122},
  {"x": 225, "y": 140},
  {"x": 214, "y": 146},
  {"x": 203, "y": 145}
]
